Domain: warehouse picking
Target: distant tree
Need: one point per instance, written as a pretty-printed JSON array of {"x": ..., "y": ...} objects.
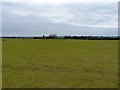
[
  {"x": 43, "y": 36},
  {"x": 52, "y": 36}
]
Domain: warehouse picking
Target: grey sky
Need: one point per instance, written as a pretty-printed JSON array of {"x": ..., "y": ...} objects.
[{"x": 62, "y": 18}]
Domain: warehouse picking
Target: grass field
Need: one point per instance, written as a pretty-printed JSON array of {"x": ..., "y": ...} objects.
[
  {"x": 0, "y": 63},
  {"x": 60, "y": 63}
]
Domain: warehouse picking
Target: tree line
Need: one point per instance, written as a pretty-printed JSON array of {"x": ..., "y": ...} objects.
[{"x": 71, "y": 37}]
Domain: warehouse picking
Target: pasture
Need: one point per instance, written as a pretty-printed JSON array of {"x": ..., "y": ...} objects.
[
  {"x": 61, "y": 63},
  {"x": 0, "y": 63}
]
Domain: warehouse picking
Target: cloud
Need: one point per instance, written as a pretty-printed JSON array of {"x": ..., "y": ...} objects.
[
  {"x": 26, "y": 17},
  {"x": 58, "y": 1}
]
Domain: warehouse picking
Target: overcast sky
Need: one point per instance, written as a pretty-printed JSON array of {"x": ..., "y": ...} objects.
[{"x": 63, "y": 17}]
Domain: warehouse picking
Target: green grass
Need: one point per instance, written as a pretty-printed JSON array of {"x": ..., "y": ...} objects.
[
  {"x": 0, "y": 63},
  {"x": 60, "y": 63}
]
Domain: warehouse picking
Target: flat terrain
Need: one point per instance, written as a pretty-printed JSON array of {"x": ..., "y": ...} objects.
[
  {"x": 60, "y": 63},
  {"x": 0, "y": 63}
]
